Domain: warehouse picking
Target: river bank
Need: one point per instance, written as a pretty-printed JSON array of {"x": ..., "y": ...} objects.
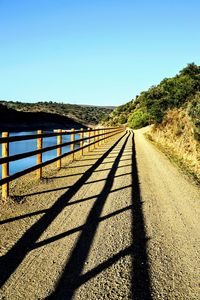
[{"x": 11, "y": 120}]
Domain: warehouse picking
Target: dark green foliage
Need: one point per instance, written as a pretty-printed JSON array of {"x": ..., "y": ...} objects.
[
  {"x": 122, "y": 119},
  {"x": 192, "y": 70},
  {"x": 88, "y": 115},
  {"x": 138, "y": 119}
]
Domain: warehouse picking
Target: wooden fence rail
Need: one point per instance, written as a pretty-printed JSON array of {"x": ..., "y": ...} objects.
[{"x": 87, "y": 139}]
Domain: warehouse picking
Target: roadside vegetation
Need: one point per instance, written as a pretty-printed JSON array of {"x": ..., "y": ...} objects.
[
  {"x": 175, "y": 136},
  {"x": 173, "y": 107}
]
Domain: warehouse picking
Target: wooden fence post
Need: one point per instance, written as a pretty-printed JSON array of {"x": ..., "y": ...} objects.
[
  {"x": 81, "y": 137},
  {"x": 108, "y": 133},
  {"x": 88, "y": 139},
  {"x": 95, "y": 139},
  {"x": 59, "y": 150},
  {"x": 99, "y": 132},
  {"x": 92, "y": 140},
  {"x": 103, "y": 136},
  {"x": 39, "y": 155},
  {"x": 72, "y": 140},
  {"x": 5, "y": 167}
]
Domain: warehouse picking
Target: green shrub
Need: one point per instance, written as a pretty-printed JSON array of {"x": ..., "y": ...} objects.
[
  {"x": 122, "y": 119},
  {"x": 138, "y": 119}
]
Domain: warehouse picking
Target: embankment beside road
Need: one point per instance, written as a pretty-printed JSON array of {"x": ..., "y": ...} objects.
[{"x": 175, "y": 137}]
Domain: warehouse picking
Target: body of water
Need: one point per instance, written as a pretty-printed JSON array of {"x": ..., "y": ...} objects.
[{"x": 30, "y": 145}]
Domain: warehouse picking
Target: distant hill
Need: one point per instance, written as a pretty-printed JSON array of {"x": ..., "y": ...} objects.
[
  {"x": 42, "y": 115},
  {"x": 12, "y": 120}
]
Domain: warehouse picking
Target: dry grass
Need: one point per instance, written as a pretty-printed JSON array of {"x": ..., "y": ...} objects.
[{"x": 175, "y": 136}]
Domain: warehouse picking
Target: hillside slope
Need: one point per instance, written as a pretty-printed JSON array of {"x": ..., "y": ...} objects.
[
  {"x": 175, "y": 137},
  {"x": 83, "y": 114},
  {"x": 12, "y": 120},
  {"x": 151, "y": 106},
  {"x": 173, "y": 107}
]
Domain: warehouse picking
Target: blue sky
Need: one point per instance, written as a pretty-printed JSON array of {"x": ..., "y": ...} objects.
[{"x": 100, "y": 52}]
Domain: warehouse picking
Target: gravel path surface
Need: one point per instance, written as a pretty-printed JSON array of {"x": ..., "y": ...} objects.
[{"x": 120, "y": 223}]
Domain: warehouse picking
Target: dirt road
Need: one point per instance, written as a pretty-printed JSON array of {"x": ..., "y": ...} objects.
[{"x": 121, "y": 223}]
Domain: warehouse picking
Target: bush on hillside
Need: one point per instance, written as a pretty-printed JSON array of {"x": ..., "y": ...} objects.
[
  {"x": 138, "y": 119},
  {"x": 122, "y": 119}
]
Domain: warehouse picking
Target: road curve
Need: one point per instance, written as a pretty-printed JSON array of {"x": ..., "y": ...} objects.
[{"x": 121, "y": 223}]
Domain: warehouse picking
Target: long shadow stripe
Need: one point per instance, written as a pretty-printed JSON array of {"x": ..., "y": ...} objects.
[
  {"x": 104, "y": 265},
  {"x": 13, "y": 258},
  {"x": 77, "y": 229},
  {"x": 71, "y": 275},
  {"x": 141, "y": 287}
]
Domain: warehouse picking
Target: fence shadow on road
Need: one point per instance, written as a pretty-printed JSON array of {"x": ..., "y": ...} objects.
[
  {"x": 14, "y": 257},
  {"x": 141, "y": 287},
  {"x": 72, "y": 276}
]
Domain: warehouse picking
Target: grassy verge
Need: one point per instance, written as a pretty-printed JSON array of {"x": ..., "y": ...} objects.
[{"x": 182, "y": 163}]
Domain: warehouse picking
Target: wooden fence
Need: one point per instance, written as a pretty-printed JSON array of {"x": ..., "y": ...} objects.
[{"x": 87, "y": 139}]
